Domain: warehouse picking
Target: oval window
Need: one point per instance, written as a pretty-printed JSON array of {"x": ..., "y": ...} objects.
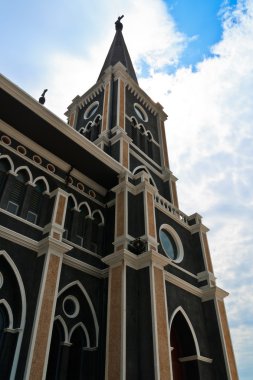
[
  {"x": 171, "y": 243},
  {"x": 140, "y": 112},
  {"x": 168, "y": 244},
  {"x": 91, "y": 110}
]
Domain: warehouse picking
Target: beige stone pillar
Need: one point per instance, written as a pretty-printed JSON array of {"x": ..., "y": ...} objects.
[
  {"x": 53, "y": 249},
  {"x": 161, "y": 341},
  {"x": 116, "y": 329},
  {"x": 226, "y": 340}
]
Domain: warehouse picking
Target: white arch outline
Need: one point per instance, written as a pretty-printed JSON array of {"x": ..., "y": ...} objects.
[
  {"x": 9, "y": 312},
  {"x": 134, "y": 121},
  {"x": 148, "y": 132},
  {"x": 97, "y": 118},
  {"x": 179, "y": 309},
  {"x": 70, "y": 195},
  {"x": 43, "y": 179},
  {"x": 80, "y": 324},
  {"x": 23, "y": 313},
  {"x": 27, "y": 170},
  {"x": 81, "y": 287},
  {"x": 101, "y": 216},
  {"x": 64, "y": 326},
  {"x": 140, "y": 127},
  {"x": 88, "y": 126},
  {"x": 142, "y": 167},
  {"x": 81, "y": 130},
  {"x": 87, "y": 205},
  {"x": 5, "y": 156}
]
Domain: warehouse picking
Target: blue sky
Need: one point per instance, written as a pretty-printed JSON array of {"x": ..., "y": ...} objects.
[{"x": 196, "y": 58}]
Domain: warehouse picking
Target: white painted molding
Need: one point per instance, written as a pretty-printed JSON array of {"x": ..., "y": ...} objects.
[
  {"x": 178, "y": 310},
  {"x": 195, "y": 357}
]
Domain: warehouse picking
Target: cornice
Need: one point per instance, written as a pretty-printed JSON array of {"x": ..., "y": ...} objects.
[
  {"x": 171, "y": 278},
  {"x": 206, "y": 294},
  {"x": 84, "y": 267},
  {"x": 81, "y": 101},
  {"x": 214, "y": 293},
  {"x": 18, "y": 238},
  {"x": 54, "y": 246}
]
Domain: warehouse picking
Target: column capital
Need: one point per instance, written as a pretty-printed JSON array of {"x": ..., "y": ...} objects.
[
  {"x": 53, "y": 246},
  {"x": 146, "y": 259},
  {"x": 214, "y": 293}
]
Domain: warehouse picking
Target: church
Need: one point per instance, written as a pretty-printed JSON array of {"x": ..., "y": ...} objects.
[{"x": 102, "y": 276}]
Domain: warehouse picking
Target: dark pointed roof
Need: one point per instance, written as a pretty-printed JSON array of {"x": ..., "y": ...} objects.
[{"x": 118, "y": 53}]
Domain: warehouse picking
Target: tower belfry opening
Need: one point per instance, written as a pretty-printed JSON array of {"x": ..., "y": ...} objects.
[{"x": 112, "y": 279}]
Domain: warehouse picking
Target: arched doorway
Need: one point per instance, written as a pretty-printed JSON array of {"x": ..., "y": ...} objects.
[{"x": 183, "y": 346}]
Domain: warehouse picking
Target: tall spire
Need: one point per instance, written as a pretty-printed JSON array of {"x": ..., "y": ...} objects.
[{"x": 118, "y": 53}]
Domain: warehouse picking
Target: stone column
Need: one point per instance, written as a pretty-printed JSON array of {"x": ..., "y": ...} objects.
[{"x": 117, "y": 358}]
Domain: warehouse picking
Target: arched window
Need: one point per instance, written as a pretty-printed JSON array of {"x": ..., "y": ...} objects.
[
  {"x": 87, "y": 130},
  {"x": 142, "y": 168},
  {"x": 82, "y": 224},
  {"x": 95, "y": 128},
  {"x": 4, "y": 168},
  {"x": 97, "y": 232},
  {"x": 17, "y": 193},
  {"x": 75, "y": 336},
  {"x": 149, "y": 145},
  {"x": 55, "y": 365},
  {"x": 35, "y": 204},
  {"x": 69, "y": 218},
  {"x": 76, "y": 363}
]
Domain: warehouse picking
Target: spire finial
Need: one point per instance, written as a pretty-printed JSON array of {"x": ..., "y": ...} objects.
[{"x": 118, "y": 24}]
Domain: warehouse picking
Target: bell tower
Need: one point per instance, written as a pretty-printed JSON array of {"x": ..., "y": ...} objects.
[{"x": 166, "y": 317}]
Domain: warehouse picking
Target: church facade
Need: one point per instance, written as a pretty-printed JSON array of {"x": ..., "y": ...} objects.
[{"x": 102, "y": 276}]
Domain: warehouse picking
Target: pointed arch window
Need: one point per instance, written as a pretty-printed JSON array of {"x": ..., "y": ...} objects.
[{"x": 74, "y": 341}]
